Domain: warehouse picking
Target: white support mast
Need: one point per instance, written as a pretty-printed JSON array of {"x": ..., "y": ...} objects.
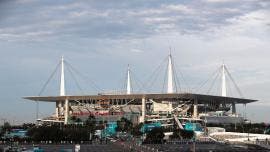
[
  {"x": 128, "y": 81},
  {"x": 62, "y": 80},
  {"x": 224, "y": 88},
  {"x": 59, "y": 105},
  {"x": 170, "y": 75},
  {"x": 223, "y": 83},
  {"x": 62, "y": 106}
]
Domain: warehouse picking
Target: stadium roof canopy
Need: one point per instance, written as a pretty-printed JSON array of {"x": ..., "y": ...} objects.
[{"x": 201, "y": 98}]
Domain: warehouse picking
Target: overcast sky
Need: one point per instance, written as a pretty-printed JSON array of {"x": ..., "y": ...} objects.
[{"x": 100, "y": 38}]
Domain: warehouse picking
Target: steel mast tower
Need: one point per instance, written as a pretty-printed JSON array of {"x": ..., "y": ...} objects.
[
  {"x": 223, "y": 82},
  {"x": 170, "y": 80},
  {"x": 62, "y": 91},
  {"x": 128, "y": 87},
  {"x": 170, "y": 75},
  {"x": 62, "y": 106}
]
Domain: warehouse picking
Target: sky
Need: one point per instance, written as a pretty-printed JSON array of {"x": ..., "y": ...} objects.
[{"x": 100, "y": 38}]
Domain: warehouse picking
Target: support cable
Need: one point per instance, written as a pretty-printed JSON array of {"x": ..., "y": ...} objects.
[
  {"x": 212, "y": 84},
  {"x": 230, "y": 89},
  {"x": 217, "y": 88},
  {"x": 176, "y": 78},
  {"x": 51, "y": 76},
  {"x": 94, "y": 86},
  {"x": 43, "y": 88},
  {"x": 136, "y": 80},
  {"x": 76, "y": 81},
  {"x": 152, "y": 75},
  {"x": 181, "y": 76},
  {"x": 237, "y": 88},
  {"x": 176, "y": 82},
  {"x": 205, "y": 82},
  {"x": 125, "y": 82},
  {"x": 164, "y": 80}
]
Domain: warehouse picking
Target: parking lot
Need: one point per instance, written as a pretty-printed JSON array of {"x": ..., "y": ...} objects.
[
  {"x": 70, "y": 147},
  {"x": 128, "y": 147}
]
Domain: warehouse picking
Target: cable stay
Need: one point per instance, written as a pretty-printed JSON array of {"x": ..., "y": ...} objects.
[
  {"x": 235, "y": 85},
  {"x": 74, "y": 78},
  {"x": 43, "y": 89},
  {"x": 165, "y": 79},
  {"x": 72, "y": 71},
  {"x": 171, "y": 81},
  {"x": 203, "y": 84},
  {"x": 213, "y": 82},
  {"x": 49, "y": 79},
  {"x": 92, "y": 83},
  {"x": 136, "y": 80},
  {"x": 220, "y": 74},
  {"x": 152, "y": 78},
  {"x": 177, "y": 81}
]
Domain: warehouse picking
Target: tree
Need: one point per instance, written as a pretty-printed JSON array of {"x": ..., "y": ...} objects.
[
  {"x": 78, "y": 120},
  {"x": 136, "y": 130},
  {"x": 186, "y": 134},
  {"x": 90, "y": 120},
  {"x": 91, "y": 123},
  {"x": 176, "y": 134},
  {"x": 156, "y": 135},
  {"x": 73, "y": 118},
  {"x": 124, "y": 125},
  {"x": 6, "y": 126},
  {"x": 55, "y": 133}
]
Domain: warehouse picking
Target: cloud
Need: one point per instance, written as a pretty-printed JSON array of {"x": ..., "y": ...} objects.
[
  {"x": 136, "y": 50},
  {"x": 250, "y": 24},
  {"x": 179, "y": 8},
  {"x": 96, "y": 35},
  {"x": 96, "y": 14},
  {"x": 27, "y": 36},
  {"x": 92, "y": 20},
  {"x": 220, "y": 1},
  {"x": 24, "y": 1}
]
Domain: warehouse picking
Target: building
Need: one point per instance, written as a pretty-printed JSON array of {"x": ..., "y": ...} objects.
[{"x": 140, "y": 107}]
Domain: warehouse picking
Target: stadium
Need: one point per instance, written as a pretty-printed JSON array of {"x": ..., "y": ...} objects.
[{"x": 170, "y": 108}]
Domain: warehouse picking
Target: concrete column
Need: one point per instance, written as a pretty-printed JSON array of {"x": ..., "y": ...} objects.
[
  {"x": 233, "y": 108},
  {"x": 143, "y": 110},
  {"x": 66, "y": 111},
  {"x": 57, "y": 110},
  {"x": 195, "y": 109},
  {"x": 61, "y": 108},
  {"x": 170, "y": 108}
]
